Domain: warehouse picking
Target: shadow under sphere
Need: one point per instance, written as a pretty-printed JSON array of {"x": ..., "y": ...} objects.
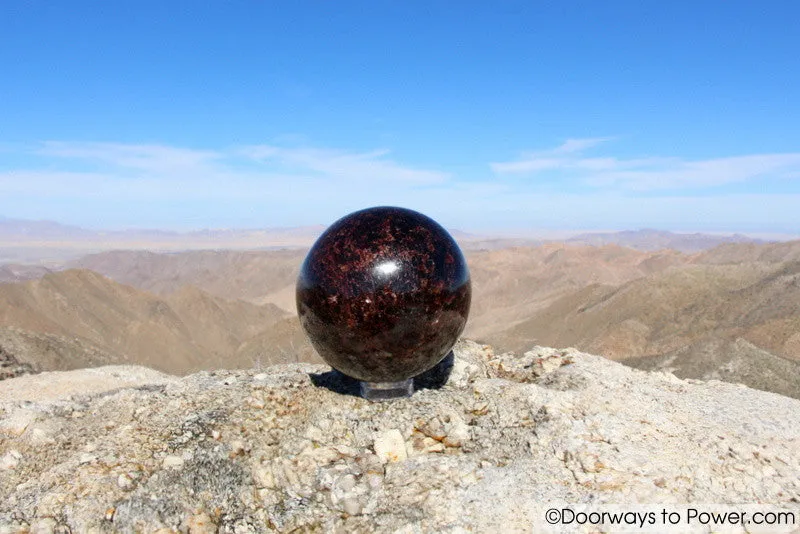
[{"x": 384, "y": 294}]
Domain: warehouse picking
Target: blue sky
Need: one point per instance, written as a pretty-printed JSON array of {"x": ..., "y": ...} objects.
[{"x": 487, "y": 116}]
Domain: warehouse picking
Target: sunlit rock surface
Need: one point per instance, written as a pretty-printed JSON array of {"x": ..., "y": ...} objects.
[{"x": 256, "y": 451}]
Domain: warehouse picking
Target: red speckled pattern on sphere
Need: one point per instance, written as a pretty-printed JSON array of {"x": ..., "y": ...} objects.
[{"x": 384, "y": 294}]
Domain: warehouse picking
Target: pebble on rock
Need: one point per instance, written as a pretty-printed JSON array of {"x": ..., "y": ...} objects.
[
  {"x": 125, "y": 482},
  {"x": 390, "y": 446},
  {"x": 10, "y": 460},
  {"x": 172, "y": 461}
]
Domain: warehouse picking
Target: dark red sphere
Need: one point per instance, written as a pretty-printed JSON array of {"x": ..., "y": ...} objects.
[{"x": 384, "y": 294}]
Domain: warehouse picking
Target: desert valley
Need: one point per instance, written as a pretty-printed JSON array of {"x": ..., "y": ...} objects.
[{"x": 699, "y": 306}]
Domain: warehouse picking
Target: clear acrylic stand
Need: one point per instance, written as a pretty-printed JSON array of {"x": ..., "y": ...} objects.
[{"x": 382, "y": 391}]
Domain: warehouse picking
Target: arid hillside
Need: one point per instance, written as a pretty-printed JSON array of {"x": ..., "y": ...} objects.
[
  {"x": 19, "y": 273},
  {"x": 502, "y": 278},
  {"x": 258, "y": 277},
  {"x": 735, "y": 254},
  {"x": 511, "y": 285},
  {"x": 83, "y": 318},
  {"x": 758, "y": 301},
  {"x": 732, "y": 312}
]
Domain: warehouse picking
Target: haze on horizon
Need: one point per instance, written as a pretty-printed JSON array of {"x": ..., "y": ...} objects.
[{"x": 490, "y": 118}]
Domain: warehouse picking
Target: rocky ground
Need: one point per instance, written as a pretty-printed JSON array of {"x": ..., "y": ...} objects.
[
  {"x": 11, "y": 367},
  {"x": 292, "y": 449}
]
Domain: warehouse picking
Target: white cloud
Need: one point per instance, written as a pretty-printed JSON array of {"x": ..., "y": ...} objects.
[
  {"x": 579, "y": 145},
  {"x": 554, "y": 158},
  {"x": 154, "y": 158},
  {"x": 312, "y": 183},
  {"x": 119, "y": 184},
  {"x": 350, "y": 166},
  {"x": 528, "y": 165},
  {"x": 648, "y": 174}
]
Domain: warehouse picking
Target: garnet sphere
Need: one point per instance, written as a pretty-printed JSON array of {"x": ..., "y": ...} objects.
[{"x": 384, "y": 294}]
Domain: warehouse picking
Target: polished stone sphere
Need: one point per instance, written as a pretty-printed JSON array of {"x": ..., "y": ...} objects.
[{"x": 384, "y": 294}]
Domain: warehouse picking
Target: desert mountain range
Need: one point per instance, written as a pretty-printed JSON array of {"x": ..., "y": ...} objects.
[
  {"x": 731, "y": 312},
  {"x": 49, "y": 243},
  {"x": 85, "y": 319},
  {"x": 652, "y": 240}
]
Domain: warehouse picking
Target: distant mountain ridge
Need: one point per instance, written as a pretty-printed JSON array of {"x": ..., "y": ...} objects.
[
  {"x": 662, "y": 309},
  {"x": 644, "y": 239},
  {"x": 254, "y": 276},
  {"x": 23, "y": 229},
  {"x": 37, "y": 230},
  {"x": 51, "y": 244},
  {"x": 652, "y": 240},
  {"x": 19, "y": 273}
]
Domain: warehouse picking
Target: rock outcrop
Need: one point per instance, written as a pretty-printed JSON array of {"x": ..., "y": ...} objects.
[
  {"x": 11, "y": 367},
  {"x": 291, "y": 448}
]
